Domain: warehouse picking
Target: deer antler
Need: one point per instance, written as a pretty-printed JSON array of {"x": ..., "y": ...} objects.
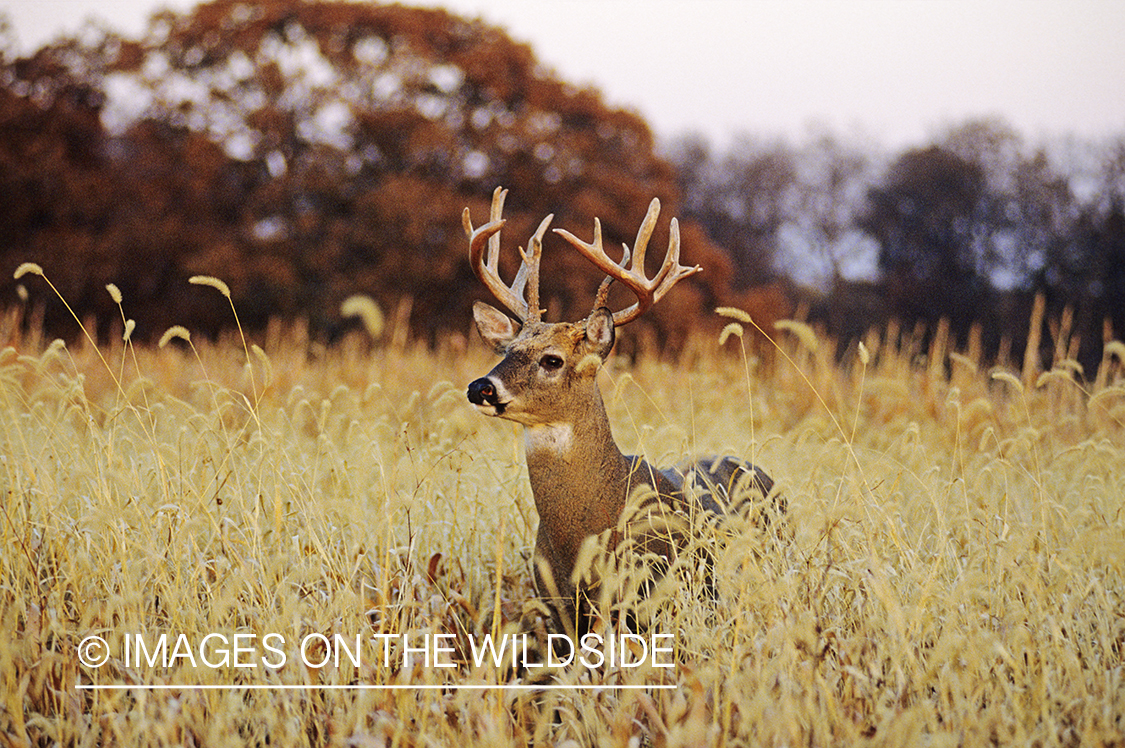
[
  {"x": 527, "y": 278},
  {"x": 648, "y": 291}
]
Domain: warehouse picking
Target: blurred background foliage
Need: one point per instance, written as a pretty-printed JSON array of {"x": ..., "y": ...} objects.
[{"x": 307, "y": 152}]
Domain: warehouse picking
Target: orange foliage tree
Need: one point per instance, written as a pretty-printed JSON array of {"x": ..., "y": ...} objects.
[{"x": 305, "y": 152}]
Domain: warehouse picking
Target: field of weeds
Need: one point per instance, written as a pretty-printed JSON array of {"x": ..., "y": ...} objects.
[{"x": 232, "y": 521}]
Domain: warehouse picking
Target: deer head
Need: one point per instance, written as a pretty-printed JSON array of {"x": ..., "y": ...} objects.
[{"x": 548, "y": 372}]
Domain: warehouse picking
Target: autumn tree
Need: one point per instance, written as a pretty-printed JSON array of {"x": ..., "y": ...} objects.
[{"x": 306, "y": 152}]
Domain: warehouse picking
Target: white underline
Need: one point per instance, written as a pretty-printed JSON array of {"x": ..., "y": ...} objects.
[{"x": 362, "y": 687}]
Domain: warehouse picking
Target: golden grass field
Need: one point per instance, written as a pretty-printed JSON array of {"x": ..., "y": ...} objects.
[{"x": 954, "y": 572}]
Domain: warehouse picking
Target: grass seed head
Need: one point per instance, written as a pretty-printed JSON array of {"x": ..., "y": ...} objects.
[
  {"x": 27, "y": 267},
  {"x": 732, "y": 328},
  {"x": 591, "y": 361},
  {"x": 1009, "y": 378},
  {"x": 1114, "y": 348},
  {"x": 734, "y": 313},
  {"x": 175, "y": 331},
  {"x": 804, "y": 333},
  {"x": 369, "y": 313},
  {"x": 208, "y": 280}
]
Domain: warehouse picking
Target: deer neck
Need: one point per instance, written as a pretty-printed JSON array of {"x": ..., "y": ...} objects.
[{"x": 579, "y": 479}]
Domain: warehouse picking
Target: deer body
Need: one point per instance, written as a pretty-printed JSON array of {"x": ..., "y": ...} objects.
[{"x": 547, "y": 381}]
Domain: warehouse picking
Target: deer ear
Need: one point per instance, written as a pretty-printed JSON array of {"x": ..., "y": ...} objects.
[
  {"x": 599, "y": 332},
  {"x": 494, "y": 326}
]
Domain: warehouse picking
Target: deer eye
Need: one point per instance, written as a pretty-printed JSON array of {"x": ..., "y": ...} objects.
[{"x": 551, "y": 362}]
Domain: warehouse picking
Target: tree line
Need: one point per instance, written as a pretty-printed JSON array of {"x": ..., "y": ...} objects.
[
  {"x": 307, "y": 152},
  {"x": 969, "y": 228}
]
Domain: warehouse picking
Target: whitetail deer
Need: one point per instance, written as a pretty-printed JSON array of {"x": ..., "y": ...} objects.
[{"x": 547, "y": 381}]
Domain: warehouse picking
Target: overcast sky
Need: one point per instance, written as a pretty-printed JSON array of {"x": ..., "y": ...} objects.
[{"x": 896, "y": 70}]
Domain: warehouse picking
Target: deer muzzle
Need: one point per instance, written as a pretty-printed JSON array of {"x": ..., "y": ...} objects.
[{"x": 484, "y": 394}]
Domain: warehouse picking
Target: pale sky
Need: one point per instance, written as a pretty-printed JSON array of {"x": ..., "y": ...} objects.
[{"x": 897, "y": 71}]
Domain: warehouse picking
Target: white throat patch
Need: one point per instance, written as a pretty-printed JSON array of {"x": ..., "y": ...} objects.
[{"x": 556, "y": 438}]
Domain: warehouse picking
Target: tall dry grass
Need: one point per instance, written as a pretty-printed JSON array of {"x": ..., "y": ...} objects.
[{"x": 955, "y": 573}]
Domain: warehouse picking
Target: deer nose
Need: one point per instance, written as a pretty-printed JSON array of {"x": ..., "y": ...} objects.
[{"x": 482, "y": 391}]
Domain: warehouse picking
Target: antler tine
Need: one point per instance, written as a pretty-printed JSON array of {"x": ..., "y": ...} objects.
[
  {"x": 644, "y": 233},
  {"x": 647, "y": 290},
  {"x": 495, "y": 211},
  {"x": 602, "y": 297},
  {"x": 488, "y": 270},
  {"x": 528, "y": 275}
]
